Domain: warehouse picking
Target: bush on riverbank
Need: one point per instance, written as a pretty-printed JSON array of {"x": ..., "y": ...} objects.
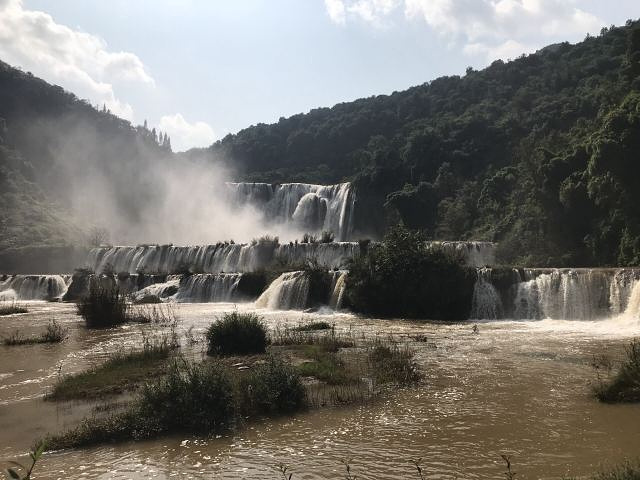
[
  {"x": 237, "y": 333},
  {"x": 103, "y": 307},
  {"x": 392, "y": 364},
  {"x": 625, "y": 385},
  {"x": 404, "y": 277}
]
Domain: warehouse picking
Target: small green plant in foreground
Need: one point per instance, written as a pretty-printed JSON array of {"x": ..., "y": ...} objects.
[
  {"x": 237, "y": 334},
  {"x": 625, "y": 385},
  {"x": 15, "y": 471}
]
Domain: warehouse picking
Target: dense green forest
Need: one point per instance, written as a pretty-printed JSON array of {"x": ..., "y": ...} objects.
[{"x": 540, "y": 154}]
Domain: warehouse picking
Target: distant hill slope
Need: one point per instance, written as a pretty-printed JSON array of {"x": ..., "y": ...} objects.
[
  {"x": 540, "y": 153},
  {"x": 60, "y": 158}
]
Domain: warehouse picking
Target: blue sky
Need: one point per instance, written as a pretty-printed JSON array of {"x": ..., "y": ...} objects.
[{"x": 202, "y": 69}]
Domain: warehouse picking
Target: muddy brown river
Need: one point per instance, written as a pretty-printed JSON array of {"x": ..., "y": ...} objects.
[{"x": 518, "y": 388}]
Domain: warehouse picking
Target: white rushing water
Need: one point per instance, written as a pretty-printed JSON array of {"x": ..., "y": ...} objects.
[
  {"x": 33, "y": 287},
  {"x": 290, "y": 291},
  {"x": 301, "y": 207},
  {"x": 567, "y": 294}
]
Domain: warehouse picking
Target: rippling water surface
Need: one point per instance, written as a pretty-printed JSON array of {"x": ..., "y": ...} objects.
[{"x": 520, "y": 388}]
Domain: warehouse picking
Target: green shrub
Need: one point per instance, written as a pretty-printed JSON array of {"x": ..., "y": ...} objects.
[
  {"x": 392, "y": 364},
  {"x": 273, "y": 387},
  {"x": 103, "y": 307},
  {"x": 54, "y": 333},
  {"x": 625, "y": 386},
  {"x": 404, "y": 277},
  {"x": 192, "y": 398},
  {"x": 237, "y": 333}
]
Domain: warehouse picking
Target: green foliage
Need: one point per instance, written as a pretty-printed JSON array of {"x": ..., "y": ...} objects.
[
  {"x": 121, "y": 372},
  {"x": 14, "y": 472},
  {"x": 237, "y": 334},
  {"x": 392, "y": 364},
  {"x": 312, "y": 326},
  {"x": 403, "y": 276},
  {"x": 625, "y": 386},
  {"x": 273, "y": 387},
  {"x": 103, "y": 307}
]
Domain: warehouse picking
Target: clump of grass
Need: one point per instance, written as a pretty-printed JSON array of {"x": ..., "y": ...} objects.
[
  {"x": 312, "y": 327},
  {"x": 626, "y": 471},
  {"x": 12, "y": 308},
  {"x": 204, "y": 398},
  {"x": 327, "y": 367},
  {"x": 625, "y": 385},
  {"x": 392, "y": 364},
  {"x": 103, "y": 307},
  {"x": 55, "y": 333},
  {"x": 121, "y": 372},
  {"x": 273, "y": 387},
  {"x": 329, "y": 341},
  {"x": 237, "y": 333}
]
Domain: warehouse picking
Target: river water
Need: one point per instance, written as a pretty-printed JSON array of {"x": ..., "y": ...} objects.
[{"x": 519, "y": 388}]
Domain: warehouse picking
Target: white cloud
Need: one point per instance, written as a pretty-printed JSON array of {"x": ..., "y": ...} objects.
[
  {"x": 76, "y": 60},
  {"x": 491, "y": 28},
  {"x": 374, "y": 12},
  {"x": 185, "y": 135}
]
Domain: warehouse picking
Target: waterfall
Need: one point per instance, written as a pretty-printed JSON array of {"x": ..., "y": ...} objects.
[
  {"x": 289, "y": 291},
  {"x": 208, "y": 288},
  {"x": 33, "y": 287},
  {"x": 338, "y": 285},
  {"x": 218, "y": 258},
  {"x": 632, "y": 309},
  {"x": 304, "y": 207},
  {"x": 486, "y": 302}
]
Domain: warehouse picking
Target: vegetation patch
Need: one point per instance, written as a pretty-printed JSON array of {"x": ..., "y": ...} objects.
[
  {"x": 237, "y": 334},
  {"x": 103, "y": 307},
  {"x": 392, "y": 364},
  {"x": 12, "y": 308},
  {"x": 404, "y": 277},
  {"x": 120, "y": 373},
  {"x": 312, "y": 327},
  {"x": 54, "y": 333},
  {"x": 194, "y": 398},
  {"x": 625, "y": 385}
]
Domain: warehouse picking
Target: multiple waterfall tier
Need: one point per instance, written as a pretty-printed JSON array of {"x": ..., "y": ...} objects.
[{"x": 33, "y": 287}]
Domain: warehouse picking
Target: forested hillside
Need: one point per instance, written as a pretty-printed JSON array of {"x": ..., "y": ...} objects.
[
  {"x": 540, "y": 154},
  {"x": 64, "y": 163}
]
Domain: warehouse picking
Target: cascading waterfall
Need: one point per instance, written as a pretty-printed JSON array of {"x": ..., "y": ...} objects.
[
  {"x": 33, "y": 287},
  {"x": 476, "y": 254},
  {"x": 208, "y": 288},
  {"x": 571, "y": 294},
  {"x": 301, "y": 206},
  {"x": 222, "y": 257},
  {"x": 486, "y": 302},
  {"x": 338, "y": 286},
  {"x": 290, "y": 291}
]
